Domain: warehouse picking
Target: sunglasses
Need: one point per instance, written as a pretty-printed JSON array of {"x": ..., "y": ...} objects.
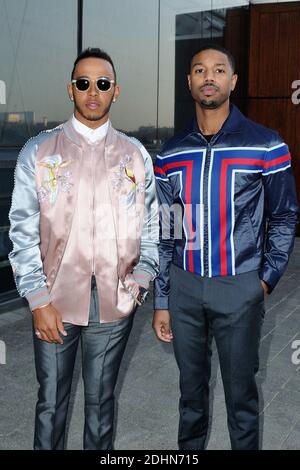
[{"x": 103, "y": 84}]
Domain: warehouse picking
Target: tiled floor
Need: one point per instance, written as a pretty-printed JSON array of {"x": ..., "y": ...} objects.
[{"x": 147, "y": 390}]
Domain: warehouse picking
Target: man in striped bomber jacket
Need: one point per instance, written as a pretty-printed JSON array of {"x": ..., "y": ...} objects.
[{"x": 228, "y": 214}]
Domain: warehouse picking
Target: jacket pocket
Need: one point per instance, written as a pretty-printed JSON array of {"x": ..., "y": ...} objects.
[
  {"x": 245, "y": 242},
  {"x": 251, "y": 232}
]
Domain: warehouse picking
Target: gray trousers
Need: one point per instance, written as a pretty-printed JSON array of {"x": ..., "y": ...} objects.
[
  {"x": 231, "y": 310},
  {"x": 102, "y": 345}
]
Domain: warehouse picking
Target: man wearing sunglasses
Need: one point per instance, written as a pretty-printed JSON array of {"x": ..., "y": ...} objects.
[{"x": 84, "y": 226}]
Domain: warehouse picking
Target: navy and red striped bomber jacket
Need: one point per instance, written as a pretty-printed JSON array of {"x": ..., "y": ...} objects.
[{"x": 227, "y": 206}]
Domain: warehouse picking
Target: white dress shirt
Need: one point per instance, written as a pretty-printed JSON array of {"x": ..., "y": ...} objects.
[{"x": 92, "y": 135}]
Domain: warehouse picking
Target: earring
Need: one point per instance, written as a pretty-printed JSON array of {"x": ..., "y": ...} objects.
[
  {"x": 114, "y": 100},
  {"x": 71, "y": 98}
]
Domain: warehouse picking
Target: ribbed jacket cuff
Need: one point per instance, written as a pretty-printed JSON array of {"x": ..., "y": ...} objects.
[
  {"x": 38, "y": 298},
  {"x": 143, "y": 278},
  {"x": 270, "y": 276},
  {"x": 161, "y": 303}
]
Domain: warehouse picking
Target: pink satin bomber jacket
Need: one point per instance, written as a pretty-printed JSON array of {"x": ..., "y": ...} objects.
[{"x": 80, "y": 209}]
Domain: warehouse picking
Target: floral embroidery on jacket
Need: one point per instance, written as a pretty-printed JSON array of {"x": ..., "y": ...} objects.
[
  {"x": 125, "y": 173},
  {"x": 55, "y": 178}
]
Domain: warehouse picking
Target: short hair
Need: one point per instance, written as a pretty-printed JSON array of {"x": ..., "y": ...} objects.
[
  {"x": 216, "y": 47},
  {"x": 98, "y": 54}
]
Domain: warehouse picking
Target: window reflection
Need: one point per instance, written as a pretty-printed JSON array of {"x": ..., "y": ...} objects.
[
  {"x": 37, "y": 50},
  {"x": 186, "y": 26},
  {"x": 128, "y": 32}
]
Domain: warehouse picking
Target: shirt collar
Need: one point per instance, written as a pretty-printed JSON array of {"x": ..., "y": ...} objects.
[
  {"x": 233, "y": 123},
  {"x": 92, "y": 135}
]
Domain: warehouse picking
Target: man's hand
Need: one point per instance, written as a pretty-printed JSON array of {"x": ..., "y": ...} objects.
[
  {"x": 161, "y": 325},
  {"x": 265, "y": 287},
  {"x": 47, "y": 321}
]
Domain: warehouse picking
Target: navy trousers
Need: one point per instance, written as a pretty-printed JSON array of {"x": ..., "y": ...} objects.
[
  {"x": 230, "y": 309},
  {"x": 102, "y": 346}
]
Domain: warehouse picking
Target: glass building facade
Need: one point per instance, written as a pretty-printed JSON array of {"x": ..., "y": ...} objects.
[{"x": 150, "y": 42}]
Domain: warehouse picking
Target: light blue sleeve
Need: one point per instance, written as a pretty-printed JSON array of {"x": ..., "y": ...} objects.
[
  {"x": 24, "y": 215},
  {"x": 147, "y": 268}
]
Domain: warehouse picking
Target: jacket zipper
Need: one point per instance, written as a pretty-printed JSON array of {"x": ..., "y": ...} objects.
[
  {"x": 93, "y": 212},
  {"x": 205, "y": 202},
  {"x": 205, "y": 210}
]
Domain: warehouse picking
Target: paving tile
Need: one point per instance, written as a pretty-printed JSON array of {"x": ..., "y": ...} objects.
[
  {"x": 292, "y": 442},
  {"x": 280, "y": 408},
  {"x": 294, "y": 382},
  {"x": 275, "y": 342},
  {"x": 218, "y": 438},
  {"x": 270, "y": 380},
  {"x": 265, "y": 398},
  {"x": 13, "y": 415},
  {"x": 17, "y": 440},
  {"x": 289, "y": 396},
  {"x": 275, "y": 429},
  {"x": 147, "y": 391}
]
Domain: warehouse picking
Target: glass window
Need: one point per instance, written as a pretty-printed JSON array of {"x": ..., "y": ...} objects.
[
  {"x": 38, "y": 42},
  {"x": 128, "y": 32},
  {"x": 150, "y": 44},
  {"x": 37, "y": 50},
  {"x": 186, "y": 26}
]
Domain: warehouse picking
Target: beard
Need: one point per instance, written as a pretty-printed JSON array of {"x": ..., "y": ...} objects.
[
  {"x": 92, "y": 116},
  {"x": 212, "y": 104},
  {"x": 209, "y": 104}
]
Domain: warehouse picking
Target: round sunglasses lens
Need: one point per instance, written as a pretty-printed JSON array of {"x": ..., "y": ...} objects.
[
  {"x": 82, "y": 84},
  {"x": 103, "y": 85}
]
